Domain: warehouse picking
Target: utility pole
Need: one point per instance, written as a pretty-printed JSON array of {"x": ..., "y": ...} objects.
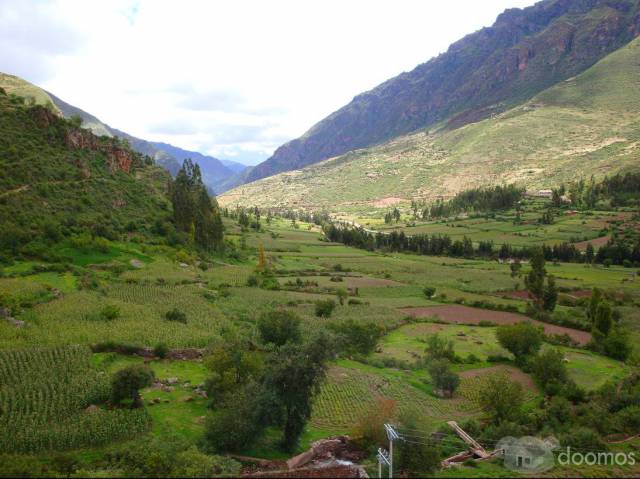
[
  {"x": 383, "y": 458},
  {"x": 393, "y": 436}
]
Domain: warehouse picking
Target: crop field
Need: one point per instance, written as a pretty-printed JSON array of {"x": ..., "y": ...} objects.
[
  {"x": 44, "y": 396},
  {"x": 58, "y": 309},
  {"x": 351, "y": 390}
]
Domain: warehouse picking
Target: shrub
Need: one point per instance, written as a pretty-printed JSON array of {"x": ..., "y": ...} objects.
[
  {"x": 369, "y": 428},
  {"x": 279, "y": 327},
  {"x": 444, "y": 380},
  {"x": 176, "y": 315},
  {"x": 416, "y": 460},
  {"x": 429, "y": 291},
  {"x": 110, "y": 312},
  {"x": 126, "y": 384},
  {"x": 161, "y": 350},
  {"x": 583, "y": 439},
  {"x": 500, "y": 398},
  {"x": 440, "y": 348},
  {"x": 549, "y": 367},
  {"x": 521, "y": 339},
  {"x": 324, "y": 308},
  {"x": 252, "y": 281},
  {"x": 356, "y": 337}
]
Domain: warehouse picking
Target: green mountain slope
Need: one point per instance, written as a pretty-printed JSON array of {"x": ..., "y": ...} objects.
[
  {"x": 216, "y": 174},
  {"x": 587, "y": 125},
  {"x": 485, "y": 73},
  {"x": 57, "y": 179}
]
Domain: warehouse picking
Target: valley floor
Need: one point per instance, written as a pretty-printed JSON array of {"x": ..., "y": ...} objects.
[{"x": 144, "y": 282}]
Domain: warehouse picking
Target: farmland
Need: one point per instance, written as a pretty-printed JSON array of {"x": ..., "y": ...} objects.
[{"x": 385, "y": 289}]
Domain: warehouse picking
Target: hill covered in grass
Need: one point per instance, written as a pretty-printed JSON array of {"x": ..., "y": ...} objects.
[
  {"x": 487, "y": 72},
  {"x": 587, "y": 125},
  {"x": 217, "y": 175},
  {"x": 57, "y": 179}
]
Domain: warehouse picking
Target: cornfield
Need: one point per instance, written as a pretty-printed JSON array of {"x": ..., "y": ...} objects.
[{"x": 44, "y": 395}]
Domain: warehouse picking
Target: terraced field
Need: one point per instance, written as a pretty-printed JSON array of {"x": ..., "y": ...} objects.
[{"x": 349, "y": 393}]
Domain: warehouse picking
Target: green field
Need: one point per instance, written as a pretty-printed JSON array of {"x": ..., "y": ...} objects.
[{"x": 58, "y": 310}]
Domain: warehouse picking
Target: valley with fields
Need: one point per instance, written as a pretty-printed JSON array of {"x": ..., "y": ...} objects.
[{"x": 440, "y": 279}]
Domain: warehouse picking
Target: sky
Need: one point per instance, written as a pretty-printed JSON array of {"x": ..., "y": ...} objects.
[{"x": 233, "y": 79}]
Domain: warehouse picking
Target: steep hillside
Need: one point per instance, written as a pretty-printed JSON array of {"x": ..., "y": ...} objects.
[
  {"x": 523, "y": 53},
  {"x": 58, "y": 179},
  {"x": 165, "y": 155},
  {"x": 587, "y": 125}
]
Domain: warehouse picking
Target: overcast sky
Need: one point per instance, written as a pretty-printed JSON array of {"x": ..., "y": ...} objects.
[{"x": 234, "y": 79}]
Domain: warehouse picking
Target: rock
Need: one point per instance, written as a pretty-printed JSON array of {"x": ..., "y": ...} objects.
[
  {"x": 184, "y": 265},
  {"x": 204, "y": 394},
  {"x": 136, "y": 263},
  {"x": 92, "y": 409},
  {"x": 188, "y": 399},
  {"x": 186, "y": 385},
  {"x": 167, "y": 389},
  {"x": 172, "y": 381}
]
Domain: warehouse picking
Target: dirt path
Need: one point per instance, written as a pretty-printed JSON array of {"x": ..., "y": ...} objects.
[
  {"x": 456, "y": 314},
  {"x": 14, "y": 191}
]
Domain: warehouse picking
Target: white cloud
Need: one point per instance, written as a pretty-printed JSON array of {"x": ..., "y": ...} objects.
[{"x": 229, "y": 78}]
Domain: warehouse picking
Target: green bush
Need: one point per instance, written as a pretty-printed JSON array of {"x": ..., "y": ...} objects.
[
  {"x": 110, "y": 312},
  {"x": 324, "y": 308},
  {"x": 126, "y": 384},
  {"x": 176, "y": 315},
  {"x": 279, "y": 327},
  {"x": 161, "y": 350}
]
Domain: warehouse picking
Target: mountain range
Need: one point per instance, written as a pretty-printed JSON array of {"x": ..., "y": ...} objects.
[
  {"x": 584, "y": 126},
  {"x": 218, "y": 175},
  {"x": 484, "y": 74}
]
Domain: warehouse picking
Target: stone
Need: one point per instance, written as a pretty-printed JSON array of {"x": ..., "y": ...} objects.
[{"x": 172, "y": 381}]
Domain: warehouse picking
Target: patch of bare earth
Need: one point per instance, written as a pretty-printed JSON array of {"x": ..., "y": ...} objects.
[
  {"x": 457, "y": 314},
  {"x": 513, "y": 373},
  {"x": 596, "y": 243},
  {"x": 522, "y": 294},
  {"x": 386, "y": 202}
]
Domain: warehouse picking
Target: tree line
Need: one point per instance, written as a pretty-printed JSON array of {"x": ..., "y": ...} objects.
[
  {"x": 495, "y": 198},
  {"x": 616, "y": 252}
]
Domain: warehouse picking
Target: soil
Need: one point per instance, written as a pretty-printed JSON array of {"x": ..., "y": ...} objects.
[
  {"x": 514, "y": 374},
  {"x": 457, "y": 314},
  {"x": 523, "y": 294},
  {"x": 386, "y": 202},
  {"x": 596, "y": 243}
]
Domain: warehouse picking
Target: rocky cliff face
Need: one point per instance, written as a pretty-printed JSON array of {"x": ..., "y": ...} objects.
[
  {"x": 523, "y": 53},
  {"x": 118, "y": 157}
]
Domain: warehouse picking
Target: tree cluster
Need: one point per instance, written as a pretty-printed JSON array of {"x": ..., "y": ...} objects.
[{"x": 194, "y": 211}]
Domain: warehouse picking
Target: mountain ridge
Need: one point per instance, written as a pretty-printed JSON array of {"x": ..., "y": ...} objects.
[
  {"x": 524, "y": 52},
  {"x": 583, "y": 126}
]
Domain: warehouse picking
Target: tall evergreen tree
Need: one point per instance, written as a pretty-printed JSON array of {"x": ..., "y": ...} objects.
[
  {"x": 535, "y": 279},
  {"x": 194, "y": 211}
]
